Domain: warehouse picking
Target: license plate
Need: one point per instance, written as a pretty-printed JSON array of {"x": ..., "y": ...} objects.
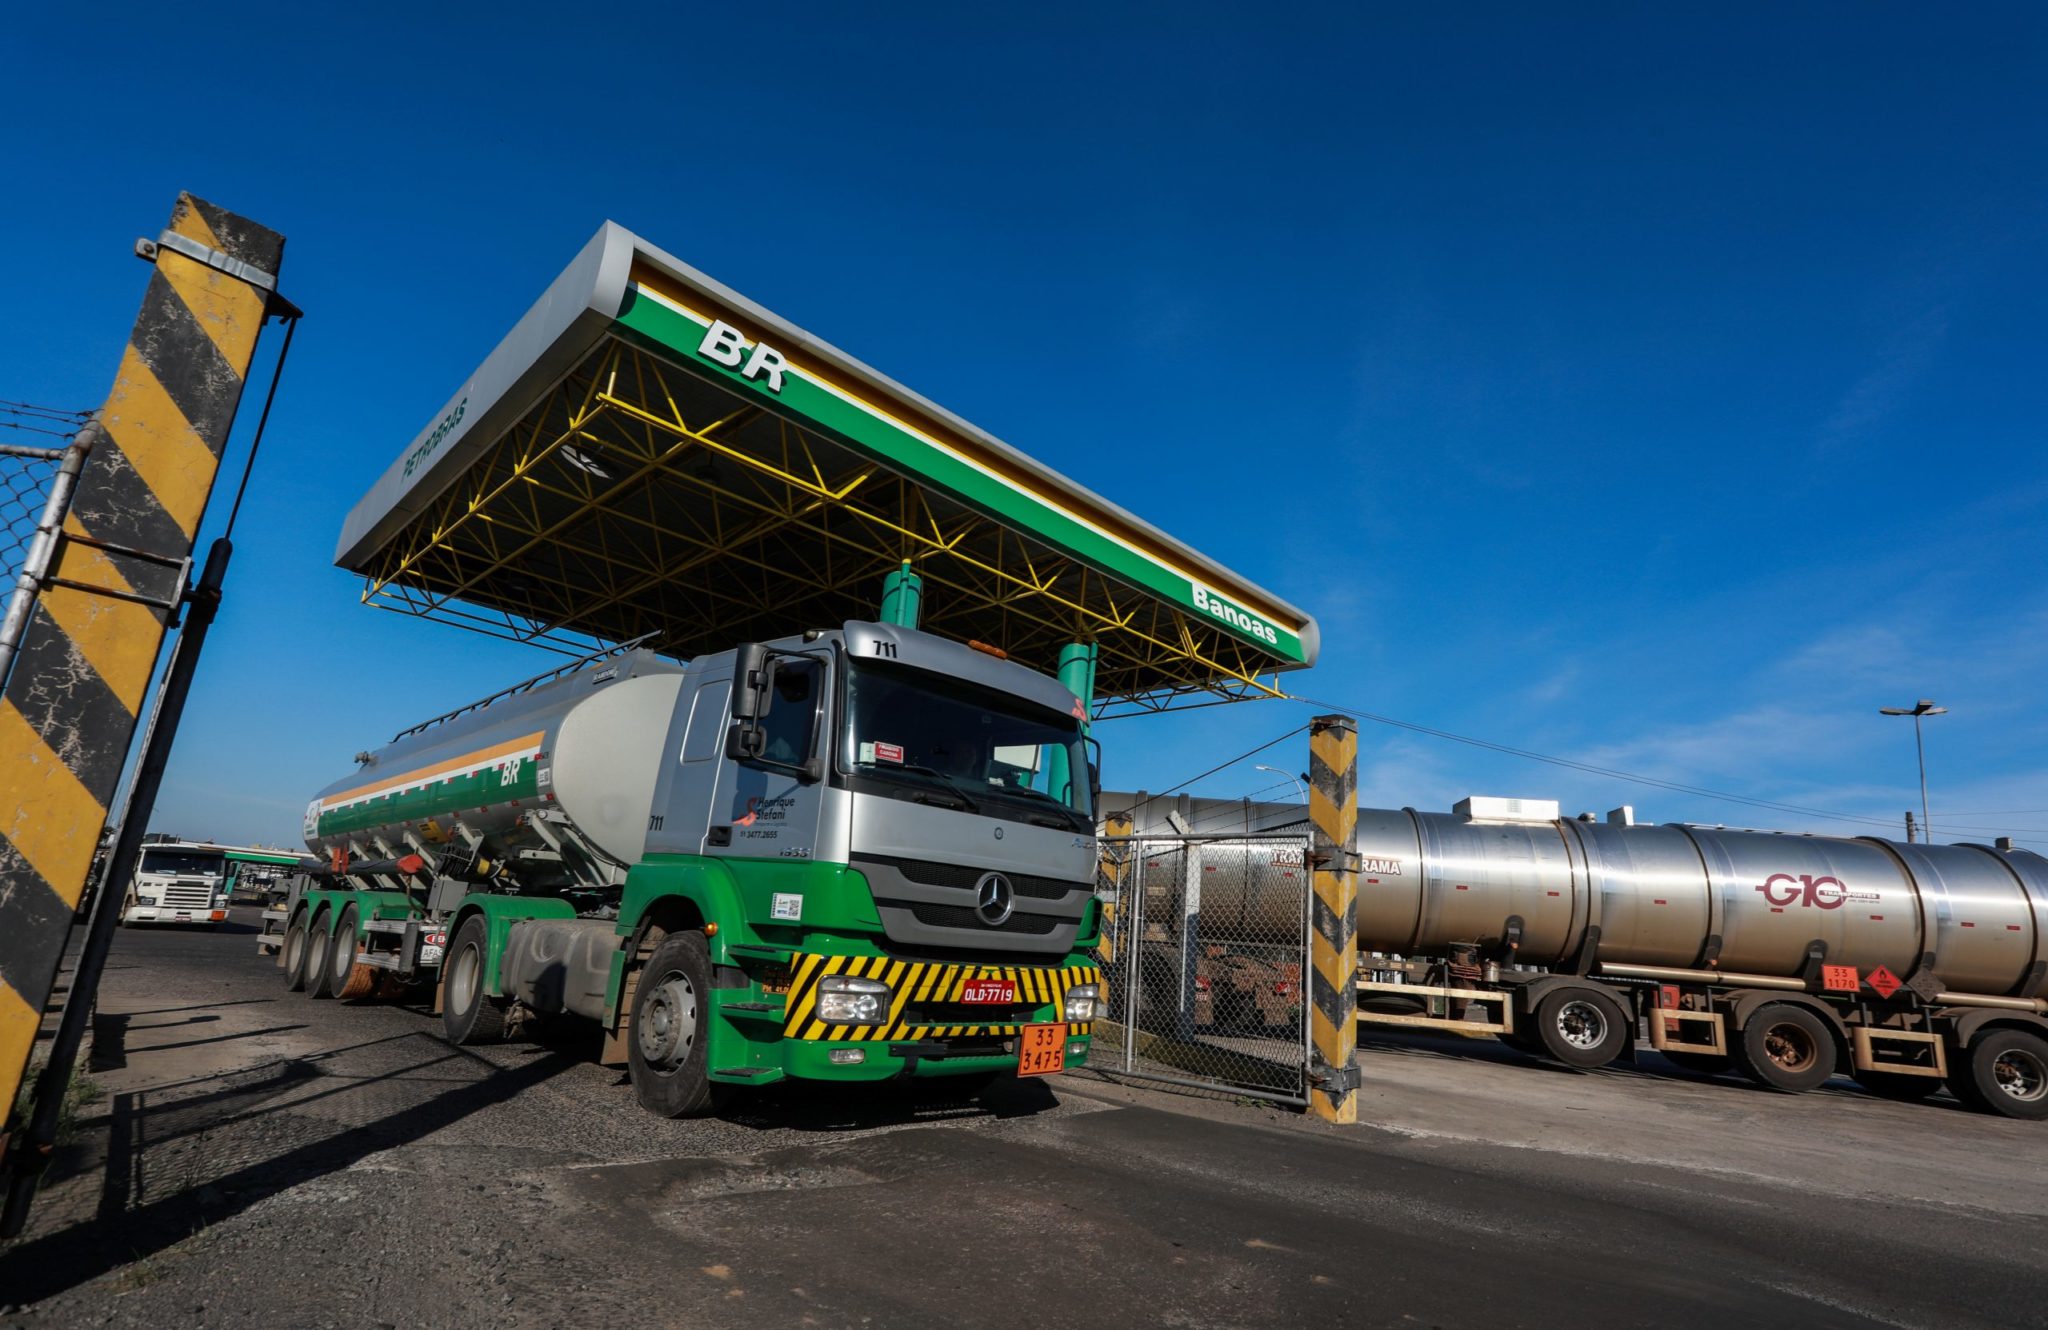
[
  {"x": 1042, "y": 1050},
  {"x": 990, "y": 991}
]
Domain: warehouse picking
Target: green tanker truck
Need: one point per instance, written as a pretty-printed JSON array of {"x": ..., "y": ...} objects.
[{"x": 852, "y": 855}]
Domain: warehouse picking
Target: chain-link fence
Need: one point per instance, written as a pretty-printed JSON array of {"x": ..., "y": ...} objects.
[
  {"x": 1205, "y": 961},
  {"x": 25, "y": 476},
  {"x": 35, "y": 486}
]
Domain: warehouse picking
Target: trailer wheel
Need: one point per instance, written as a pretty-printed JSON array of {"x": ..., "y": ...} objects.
[
  {"x": 469, "y": 1015},
  {"x": 668, "y": 1046},
  {"x": 1893, "y": 1085},
  {"x": 1786, "y": 1047},
  {"x": 319, "y": 956},
  {"x": 1581, "y": 1026},
  {"x": 341, "y": 953},
  {"x": 2007, "y": 1070},
  {"x": 292, "y": 952}
]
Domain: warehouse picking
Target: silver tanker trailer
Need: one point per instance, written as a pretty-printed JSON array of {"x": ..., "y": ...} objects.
[{"x": 1785, "y": 957}]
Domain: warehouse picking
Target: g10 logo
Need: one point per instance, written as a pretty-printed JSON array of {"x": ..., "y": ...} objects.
[{"x": 1822, "y": 893}]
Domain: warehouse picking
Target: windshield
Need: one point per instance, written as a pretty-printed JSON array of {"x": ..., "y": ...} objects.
[
  {"x": 966, "y": 746},
  {"x": 191, "y": 862}
]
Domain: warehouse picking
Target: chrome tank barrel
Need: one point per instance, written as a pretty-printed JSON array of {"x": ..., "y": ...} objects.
[
  {"x": 1688, "y": 897},
  {"x": 586, "y": 744},
  {"x": 1670, "y": 896}
]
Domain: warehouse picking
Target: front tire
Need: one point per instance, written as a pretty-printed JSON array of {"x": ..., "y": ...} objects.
[
  {"x": 2007, "y": 1073},
  {"x": 469, "y": 1015},
  {"x": 1787, "y": 1047},
  {"x": 668, "y": 1046},
  {"x": 1581, "y": 1026}
]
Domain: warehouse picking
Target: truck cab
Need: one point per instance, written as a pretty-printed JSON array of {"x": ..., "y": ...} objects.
[
  {"x": 180, "y": 883},
  {"x": 892, "y": 836},
  {"x": 919, "y": 763}
]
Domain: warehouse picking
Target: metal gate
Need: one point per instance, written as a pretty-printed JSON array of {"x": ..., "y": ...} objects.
[{"x": 1205, "y": 962}]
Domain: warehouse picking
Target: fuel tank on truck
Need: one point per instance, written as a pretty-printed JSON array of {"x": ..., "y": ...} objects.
[
  {"x": 1676, "y": 896},
  {"x": 586, "y": 743}
]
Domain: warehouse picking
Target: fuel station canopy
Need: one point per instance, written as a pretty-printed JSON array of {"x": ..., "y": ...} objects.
[{"x": 648, "y": 453}]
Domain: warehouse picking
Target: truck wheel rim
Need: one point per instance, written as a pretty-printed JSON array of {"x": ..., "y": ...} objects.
[
  {"x": 1790, "y": 1048},
  {"x": 668, "y": 1025},
  {"x": 294, "y": 948},
  {"x": 2020, "y": 1074},
  {"x": 1581, "y": 1024}
]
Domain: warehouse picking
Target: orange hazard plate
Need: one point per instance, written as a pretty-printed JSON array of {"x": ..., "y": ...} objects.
[{"x": 1042, "y": 1051}]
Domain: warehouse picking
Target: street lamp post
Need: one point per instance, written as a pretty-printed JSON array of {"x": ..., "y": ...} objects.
[
  {"x": 1299, "y": 783},
  {"x": 1924, "y": 707}
]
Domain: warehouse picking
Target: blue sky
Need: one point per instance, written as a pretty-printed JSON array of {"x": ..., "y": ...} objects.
[{"x": 1654, "y": 386}]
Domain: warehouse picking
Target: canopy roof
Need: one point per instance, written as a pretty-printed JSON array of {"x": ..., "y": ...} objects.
[{"x": 649, "y": 452}]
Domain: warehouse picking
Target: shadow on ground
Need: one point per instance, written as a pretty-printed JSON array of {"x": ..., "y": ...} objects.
[{"x": 120, "y": 1231}]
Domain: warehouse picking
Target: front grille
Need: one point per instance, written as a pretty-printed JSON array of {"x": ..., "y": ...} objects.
[
  {"x": 926, "y": 873},
  {"x": 961, "y": 916},
  {"x": 188, "y": 896}
]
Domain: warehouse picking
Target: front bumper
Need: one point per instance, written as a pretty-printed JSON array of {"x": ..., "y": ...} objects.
[
  {"x": 928, "y": 1031},
  {"x": 171, "y": 914},
  {"x": 811, "y": 1059}
]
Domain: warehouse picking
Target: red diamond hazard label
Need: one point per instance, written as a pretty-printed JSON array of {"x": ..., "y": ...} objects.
[{"x": 1884, "y": 981}]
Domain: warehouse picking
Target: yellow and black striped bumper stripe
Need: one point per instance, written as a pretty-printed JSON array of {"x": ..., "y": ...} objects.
[
  {"x": 79, "y": 679},
  {"x": 915, "y": 983}
]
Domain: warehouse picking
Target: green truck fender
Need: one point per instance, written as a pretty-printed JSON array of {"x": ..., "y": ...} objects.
[
  {"x": 499, "y": 914},
  {"x": 671, "y": 893}
]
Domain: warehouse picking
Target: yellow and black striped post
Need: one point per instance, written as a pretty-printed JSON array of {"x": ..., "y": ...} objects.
[
  {"x": 77, "y": 686},
  {"x": 1113, "y": 875},
  {"x": 1333, "y": 941}
]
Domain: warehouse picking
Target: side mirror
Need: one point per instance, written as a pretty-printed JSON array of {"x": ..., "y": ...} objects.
[
  {"x": 752, "y": 676},
  {"x": 745, "y": 740}
]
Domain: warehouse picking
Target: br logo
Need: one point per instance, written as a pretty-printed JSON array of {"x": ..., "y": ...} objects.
[{"x": 1823, "y": 893}]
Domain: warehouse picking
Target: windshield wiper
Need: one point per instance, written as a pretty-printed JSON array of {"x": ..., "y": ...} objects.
[
  {"x": 966, "y": 803},
  {"x": 1069, "y": 820}
]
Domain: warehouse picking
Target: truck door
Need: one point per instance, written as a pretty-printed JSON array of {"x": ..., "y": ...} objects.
[{"x": 761, "y": 809}]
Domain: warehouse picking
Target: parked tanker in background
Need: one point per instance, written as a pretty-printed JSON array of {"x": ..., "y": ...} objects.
[
  {"x": 854, "y": 855},
  {"x": 1786, "y": 957}
]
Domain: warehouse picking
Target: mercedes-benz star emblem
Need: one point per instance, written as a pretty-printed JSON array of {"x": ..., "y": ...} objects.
[{"x": 994, "y": 898}]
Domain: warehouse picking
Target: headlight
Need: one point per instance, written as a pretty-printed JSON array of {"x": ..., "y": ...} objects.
[
  {"x": 845, "y": 1000},
  {"x": 145, "y": 898},
  {"x": 1081, "y": 1003}
]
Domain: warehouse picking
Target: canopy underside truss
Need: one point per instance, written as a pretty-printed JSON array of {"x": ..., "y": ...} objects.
[{"x": 637, "y": 497}]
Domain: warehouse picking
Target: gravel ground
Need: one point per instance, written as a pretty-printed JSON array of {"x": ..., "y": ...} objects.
[{"x": 264, "y": 1159}]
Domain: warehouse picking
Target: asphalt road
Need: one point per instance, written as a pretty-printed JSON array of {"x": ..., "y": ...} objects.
[{"x": 265, "y": 1159}]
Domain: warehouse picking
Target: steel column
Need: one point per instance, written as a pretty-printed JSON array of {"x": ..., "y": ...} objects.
[{"x": 902, "y": 597}]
